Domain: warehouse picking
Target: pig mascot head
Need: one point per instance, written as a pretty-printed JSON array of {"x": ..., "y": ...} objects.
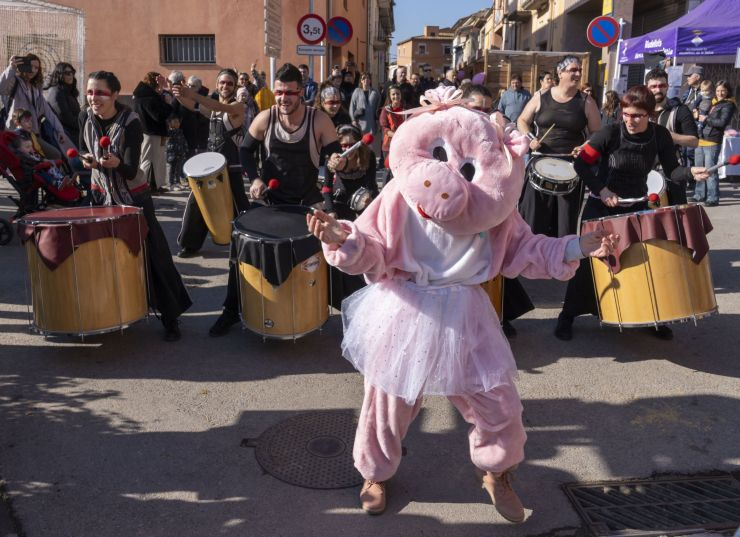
[{"x": 456, "y": 166}]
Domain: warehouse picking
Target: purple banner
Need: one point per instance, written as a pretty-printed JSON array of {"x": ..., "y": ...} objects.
[{"x": 711, "y": 29}]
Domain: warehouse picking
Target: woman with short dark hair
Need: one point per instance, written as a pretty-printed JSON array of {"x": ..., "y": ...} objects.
[
  {"x": 630, "y": 148},
  {"x": 118, "y": 180},
  {"x": 62, "y": 94}
]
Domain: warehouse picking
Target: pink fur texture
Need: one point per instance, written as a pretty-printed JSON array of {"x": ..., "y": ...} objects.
[{"x": 437, "y": 189}]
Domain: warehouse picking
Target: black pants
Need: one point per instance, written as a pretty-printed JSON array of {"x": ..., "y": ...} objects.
[
  {"x": 516, "y": 300},
  {"x": 554, "y": 216},
  {"x": 194, "y": 230},
  {"x": 580, "y": 297},
  {"x": 676, "y": 193},
  {"x": 167, "y": 293}
]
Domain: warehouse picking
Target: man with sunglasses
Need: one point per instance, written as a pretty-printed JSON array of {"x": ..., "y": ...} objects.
[
  {"x": 679, "y": 121},
  {"x": 226, "y": 116},
  {"x": 291, "y": 137}
]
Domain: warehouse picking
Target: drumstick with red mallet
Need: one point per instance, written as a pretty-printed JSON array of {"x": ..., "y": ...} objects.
[
  {"x": 367, "y": 139},
  {"x": 105, "y": 146},
  {"x": 74, "y": 159},
  {"x": 734, "y": 160}
]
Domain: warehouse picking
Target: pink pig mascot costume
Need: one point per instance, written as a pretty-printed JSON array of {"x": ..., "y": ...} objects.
[{"x": 424, "y": 325}]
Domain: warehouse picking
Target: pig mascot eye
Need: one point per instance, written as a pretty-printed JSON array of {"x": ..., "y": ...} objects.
[
  {"x": 439, "y": 153},
  {"x": 468, "y": 171}
]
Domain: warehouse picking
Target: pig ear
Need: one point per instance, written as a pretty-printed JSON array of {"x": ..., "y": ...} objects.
[{"x": 517, "y": 143}]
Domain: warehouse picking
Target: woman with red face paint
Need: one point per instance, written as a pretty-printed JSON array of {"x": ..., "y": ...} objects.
[
  {"x": 118, "y": 180},
  {"x": 630, "y": 148}
]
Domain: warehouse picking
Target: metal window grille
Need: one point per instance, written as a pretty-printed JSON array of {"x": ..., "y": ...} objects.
[{"x": 196, "y": 49}]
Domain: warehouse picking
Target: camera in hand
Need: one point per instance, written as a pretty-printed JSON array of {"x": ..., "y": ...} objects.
[{"x": 25, "y": 65}]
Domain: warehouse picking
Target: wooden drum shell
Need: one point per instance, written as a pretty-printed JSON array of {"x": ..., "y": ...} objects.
[
  {"x": 296, "y": 307},
  {"x": 658, "y": 284},
  {"x": 99, "y": 288}
]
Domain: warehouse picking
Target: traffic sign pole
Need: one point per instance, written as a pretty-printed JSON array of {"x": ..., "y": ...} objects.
[{"x": 310, "y": 58}]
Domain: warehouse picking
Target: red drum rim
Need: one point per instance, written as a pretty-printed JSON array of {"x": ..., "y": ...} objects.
[{"x": 79, "y": 215}]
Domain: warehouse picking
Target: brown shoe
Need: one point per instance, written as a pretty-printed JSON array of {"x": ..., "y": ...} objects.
[
  {"x": 372, "y": 497},
  {"x": 503, "y": 496}
]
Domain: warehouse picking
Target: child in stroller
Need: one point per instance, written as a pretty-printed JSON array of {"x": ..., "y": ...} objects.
[{"x": 29, "y": 174}]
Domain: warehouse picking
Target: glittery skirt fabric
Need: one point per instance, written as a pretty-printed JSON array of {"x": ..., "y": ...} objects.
[{"x": 411, "y": 340}]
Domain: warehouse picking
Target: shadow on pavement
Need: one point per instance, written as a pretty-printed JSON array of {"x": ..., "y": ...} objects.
[{"x": 76, "y": 466}]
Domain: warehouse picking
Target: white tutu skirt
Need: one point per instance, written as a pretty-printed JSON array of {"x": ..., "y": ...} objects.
[{"x": 410, "y": 340}]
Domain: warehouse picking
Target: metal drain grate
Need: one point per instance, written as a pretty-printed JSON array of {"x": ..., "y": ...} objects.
[
  {"x": 312, "y": 450},
  {"x": 657, "y": 506}
]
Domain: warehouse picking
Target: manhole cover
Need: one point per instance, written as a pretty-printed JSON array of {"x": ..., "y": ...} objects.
[
  {"x": 657, "y": 506},
  {"x": 312, "y": 450}
]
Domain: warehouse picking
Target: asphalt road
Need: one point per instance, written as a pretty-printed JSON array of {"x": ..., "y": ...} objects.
[{"x": 126, "y": 435}]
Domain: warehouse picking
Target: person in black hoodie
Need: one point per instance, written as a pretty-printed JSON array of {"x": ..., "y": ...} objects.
[
  {"x": 153, "y": 112},
  {"x": 62, "y": 97}
]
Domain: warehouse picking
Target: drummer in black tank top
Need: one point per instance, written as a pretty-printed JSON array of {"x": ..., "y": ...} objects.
[
  {"x": 292, "y": 137},
  {"x": 574, "y": 116}
]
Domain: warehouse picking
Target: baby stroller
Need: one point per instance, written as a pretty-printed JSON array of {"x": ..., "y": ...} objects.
[{"x": 34, "y": 193}]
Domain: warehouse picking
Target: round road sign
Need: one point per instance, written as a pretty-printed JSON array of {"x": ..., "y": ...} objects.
[
  {"x": 311, "y": 29},
  {"x": 603, "y": 31},
  {"x": 339, "y": 31}
]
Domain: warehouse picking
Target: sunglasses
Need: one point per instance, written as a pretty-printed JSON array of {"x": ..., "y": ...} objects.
[
  {"x": 287, "y": 93},
  {"x": 68, "y": 72},
  {"x": 573, "y": 70},
  {"x": 98, "y": 93},
  {"x": 657, "y": 86},
  {"x": 638, "y": 117},
  {"x": 332, "y": 103}
]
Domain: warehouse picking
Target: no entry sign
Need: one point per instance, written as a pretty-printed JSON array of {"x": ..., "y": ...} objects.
[
  {"x": 311, "y": 29},
  {"x": 339, "y": 31},
  {"x": 603, "y": 31}
]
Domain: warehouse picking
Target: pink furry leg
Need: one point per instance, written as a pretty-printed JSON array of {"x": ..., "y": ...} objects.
[
  {"x": 497, "y": 434},
  {"x": 384, "y": 422}
]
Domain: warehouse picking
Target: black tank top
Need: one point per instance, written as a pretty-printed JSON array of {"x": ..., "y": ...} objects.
[
  {"x": 221, "y": 139},
  {"x": 292, "y": 159},
  {"x": 569, "y": 119}
]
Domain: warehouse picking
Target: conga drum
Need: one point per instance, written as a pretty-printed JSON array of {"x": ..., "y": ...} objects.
[
  {"x": 660, "y": 273},
  {"x": 495, "y": 290},
  {"x": 656, "y": 185},
  {"x": 86, "y": 268},
  {"x": 208, "y": 178},
  {"x": 283, "y": 276}
]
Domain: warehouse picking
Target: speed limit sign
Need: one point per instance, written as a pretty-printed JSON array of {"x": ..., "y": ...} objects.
[{"x": 311, "y": 29}]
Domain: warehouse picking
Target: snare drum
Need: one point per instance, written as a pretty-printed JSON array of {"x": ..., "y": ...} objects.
[
  {"x": 495, "y": 290},
  {"x": 86, "y": 268},
  {"x": 209, "y": 181},
  {"x": 553, "y": 176},
  {"x": 283, "y": 277},
  {"x": 661, "y": 276},
  {"x": 656, "y": 185},
  {"x": 360, "y": 199}
]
